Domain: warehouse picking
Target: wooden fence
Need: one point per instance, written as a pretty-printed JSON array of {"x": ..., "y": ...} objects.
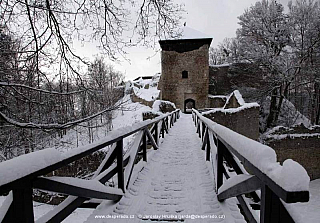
[
  {"x": 265, "y": 193},
  {"x": 23, "y": 174}
]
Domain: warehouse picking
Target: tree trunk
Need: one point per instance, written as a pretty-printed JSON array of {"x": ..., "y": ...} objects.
[
  {"x": 273, "y": 108},
  {"x": 317, "y": 107},
  {"x": 282, "y": 96}
]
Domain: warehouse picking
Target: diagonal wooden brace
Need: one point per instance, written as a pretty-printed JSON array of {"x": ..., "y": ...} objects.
[
  {"x": 153, "y": 143},
  {"x": 78, "y": 187},
  {"x": 247, "y": 183}
]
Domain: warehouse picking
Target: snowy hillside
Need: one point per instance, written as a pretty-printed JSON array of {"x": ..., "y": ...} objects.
[{"x": 289, "y": 115}]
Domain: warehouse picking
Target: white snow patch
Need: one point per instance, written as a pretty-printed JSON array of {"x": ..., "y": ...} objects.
[
  {"x": 26, "y": 164},
  {"x": 221, "y": 65},
  {"x": 217, "y": 96},
  {"x": 238, "y": 96},
  {"x": 233, "y": 181},
  {"x": 189, "y": 33},
  {"x": 308, "y": 211},
  {"x": 293, "y": 135},
  {"x": 5, "y": 205},
  {"x": 233, "y": 110}
]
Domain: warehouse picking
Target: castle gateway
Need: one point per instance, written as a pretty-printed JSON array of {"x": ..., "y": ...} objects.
[{"x": 185, "y": 70}]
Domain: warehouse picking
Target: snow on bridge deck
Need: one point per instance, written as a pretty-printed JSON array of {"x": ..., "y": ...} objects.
[{"x": 175, "y": 182}]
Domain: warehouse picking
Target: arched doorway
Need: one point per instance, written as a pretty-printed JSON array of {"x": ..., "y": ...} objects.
[{"x": 189, "y": 104}]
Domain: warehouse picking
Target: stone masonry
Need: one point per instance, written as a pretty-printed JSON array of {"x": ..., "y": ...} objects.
[{"x": 185, "y": 72}]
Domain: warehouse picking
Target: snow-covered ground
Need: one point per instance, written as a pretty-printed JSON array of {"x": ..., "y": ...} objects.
[{"x": 309, "y": 212}]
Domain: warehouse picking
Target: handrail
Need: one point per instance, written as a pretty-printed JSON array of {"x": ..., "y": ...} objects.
[
  {"x": 272, "y": 190},
  {"x": 26, "y": 171}
]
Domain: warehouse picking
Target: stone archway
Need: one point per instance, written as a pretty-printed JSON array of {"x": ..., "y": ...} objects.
[{"x": 188, "y": 105}]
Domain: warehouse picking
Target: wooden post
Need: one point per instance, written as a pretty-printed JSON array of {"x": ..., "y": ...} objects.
[
  {"x": 208, "y": 145},
  {"x": 144, "y": 146},
  {"x": 167, "y": 122},
  {"x": 272, "y": 209},
  {"x": 119, "y": 150},
  {"x": 156, "y": 134},
  {"x": 203, "y": 129},
  {"x": 198, "y": 129},
  {"x": 162, "y": 128},
  {"x": 220, "y": 167},
  {"x": 266, "y": 202},
  {"x": 21, "y": 208}
]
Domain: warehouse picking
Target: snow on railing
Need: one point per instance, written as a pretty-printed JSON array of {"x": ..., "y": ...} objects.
[
  {"x": 21, "y": 174},
  {"x": 288, "y": 183}
]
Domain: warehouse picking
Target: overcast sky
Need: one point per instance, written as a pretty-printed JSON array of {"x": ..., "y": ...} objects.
[{"x": 216, "y": 18}]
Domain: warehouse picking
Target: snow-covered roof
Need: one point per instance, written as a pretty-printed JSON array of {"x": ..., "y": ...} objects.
[{"x": 189, "y": 33}]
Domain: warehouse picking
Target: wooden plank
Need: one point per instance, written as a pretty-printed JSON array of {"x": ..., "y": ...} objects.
[
  {"x": 220, "y": 167},
  {"x": 247, "y": 212},
  {"x": 133, "y": 154},
  {"x": 153, "y": 142},
  {"x": 162, "y": 128},
  {"x": 203, "y": 130},
  {"x": 78, "y": 187},
  {"x": 156, "y": 138},
  {"x": 198, "y": 129},
  {"x": 208, "y": 145},
  {"x": 62, "y": 211},
  {"x": 272, "y": 209},
  {"x": 144, "y": 146},
  {"x": 204, "y": 143},
  {"x": 246, "y": 186},
  {"x": 165, "y": 122},
  {"x": 21, "y": 207},
  {"x": 89, "y": 205},
  {"x": 231, "y": 162},
  {"x": 107, "y": 161},
  {"x": 119, "y": 150}
]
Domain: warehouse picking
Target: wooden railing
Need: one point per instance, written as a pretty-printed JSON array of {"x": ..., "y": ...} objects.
[
  {"x": 269, "y": 196},
  {"x": 21, "y": 175}
]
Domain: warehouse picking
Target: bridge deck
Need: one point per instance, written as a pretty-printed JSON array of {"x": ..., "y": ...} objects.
[{"x": 175, "y": 181}]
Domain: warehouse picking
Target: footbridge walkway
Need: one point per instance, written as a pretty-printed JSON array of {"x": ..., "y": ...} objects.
[{"x": 180, "y": 168}]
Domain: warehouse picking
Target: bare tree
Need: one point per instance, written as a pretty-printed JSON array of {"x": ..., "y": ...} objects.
[{"x": 43, "y": 80}]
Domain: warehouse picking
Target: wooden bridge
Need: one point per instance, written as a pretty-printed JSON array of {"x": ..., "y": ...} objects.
[{"x": 183, "y": 178}]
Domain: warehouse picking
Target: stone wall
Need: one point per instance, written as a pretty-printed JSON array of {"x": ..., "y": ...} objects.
[
  {"x": 304, "y": 150},
  {"x": 243, "y": 77},
  {"x": 217, "y": 101},
  {"x": 245, "y": 121},
  {"x": 176, "y": 89}
]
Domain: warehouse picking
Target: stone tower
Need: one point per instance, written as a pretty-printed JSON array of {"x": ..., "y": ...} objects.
[{"x": 185, "y": 70}]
